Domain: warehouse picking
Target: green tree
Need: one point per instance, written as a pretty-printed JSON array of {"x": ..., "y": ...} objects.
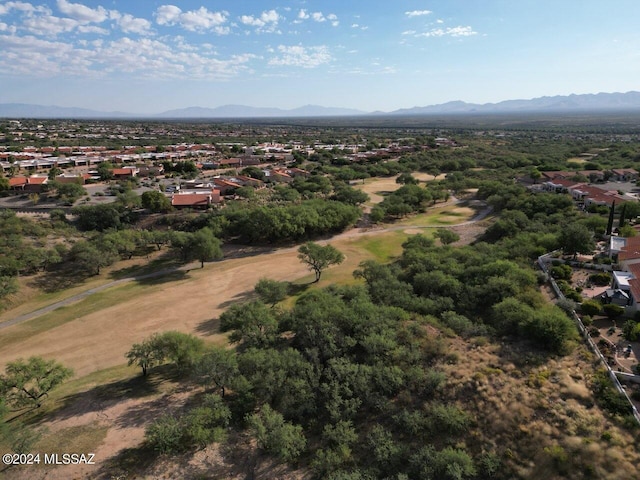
[
  {"x": 576, "y": 238},
  {"x": 350, "y": 195},
  {"x": 70, "y": 192},
  {"x": 54, "y": 172},
  {"x": 156, "y": 201},
  {"x": 204, "y": 247},
  {"x": 105, "y": 171},
  {"x": 446, "y": 236},
  {"x": 275, "y": 435},
  {"x": 90, "y": 257},
  {"x": 216, "y": 367},
  {"x": 612, "y": 212},
  {"x": 181, "y": 349},
  {"x": 406, "y": 179},
  {"x": 165, "y": 435},
  {"x": 271, "y": 291},
  {"x": 8, "y": 285},
  {"x": 253, "y": 323},
  {"x": 319, "y": 258},
  {"x": 28, "y": 383},
  {"x": 146, "y": 354}
]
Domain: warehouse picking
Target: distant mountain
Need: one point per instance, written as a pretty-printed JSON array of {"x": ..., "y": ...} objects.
[
  {"x": 243, "y": 111},
  {"x": 561, "y": 103},
  {"x": 24, "y": 110},
  {"x": 568, "y": 103}
]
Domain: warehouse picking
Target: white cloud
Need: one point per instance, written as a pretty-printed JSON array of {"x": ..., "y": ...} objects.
[
  {"x": 417, "y": 13},
  {"x": 167, "y": 15},
  {"x": 130, "y": 24},
  {"x": 22, "y": 6},
  {"x": 31, "y": 56},
  {"x": 49, "y": 25},
  {"x": 266, "y": 22},
  {"x": 320, "y": 17},
  {"x": 449, "y": 32},
  {"x": 93, "y": 29},
  {"x": 299, "y": 56},
  {"x": 194, "y": 20},
  {"x": 82, "y": 13}
]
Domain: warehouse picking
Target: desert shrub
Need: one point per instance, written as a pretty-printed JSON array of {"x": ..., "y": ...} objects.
[
  {"x": 591, "y": 307},
  {"x": 562, "y": 272},
  {"x": 602, "y": 279},
  {"x": 612, "y": 311},
  {"x": 608, "y": 397}
]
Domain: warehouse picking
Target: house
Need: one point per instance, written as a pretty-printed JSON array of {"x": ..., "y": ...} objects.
[
  {"x": 225, "y": 186},
  {"x": 70, "y": 178},
  {"x": 17, "y": 183},
  {"x": 124, "y": 173},
  {"x": 625, "y": 286},
  {"x": 617, "y": 297},
  {"x": 624, "y": 174},
  {"x": 202, "y": 200},
  {"x": 278, "y": 176},
  {"x": 554, "y": 175},
  {"x": 28, "y": 184},
  {"x": 249, "y": 181}
]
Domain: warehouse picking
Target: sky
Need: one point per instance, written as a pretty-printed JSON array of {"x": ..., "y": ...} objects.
[{"x": 149, "y": 56}]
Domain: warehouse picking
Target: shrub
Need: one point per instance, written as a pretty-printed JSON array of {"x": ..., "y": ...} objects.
[
  {"x": 274, "y": 435},
  {"x": 602, "y": 279},
  {"x": 561, "y": 272},
  {"x": 613, "y": 311},
  {"x": 165, "y": 435},
  {"x": 591, "y": 307}
]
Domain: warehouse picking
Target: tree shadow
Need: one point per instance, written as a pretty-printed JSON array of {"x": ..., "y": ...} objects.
[
  {"x": 165, "y": 261},
  {"x": 209, "y": 327},
  {"x": 61, "y": 278},
  {"x": 298, "y": 288},
  {"x": 139, "y": 415},
  {"x": 128, "y": 463},
  {"x": 160, "y": 278},
  {"x": 100, "y": 397},
  {"x": 238, "y": 298}
]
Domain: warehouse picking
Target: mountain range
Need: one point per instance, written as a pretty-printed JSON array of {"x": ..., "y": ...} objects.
[{"x": 600, "y": 102}]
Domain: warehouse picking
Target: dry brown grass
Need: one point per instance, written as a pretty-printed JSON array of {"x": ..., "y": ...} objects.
[{"x": 539, "y": 414}]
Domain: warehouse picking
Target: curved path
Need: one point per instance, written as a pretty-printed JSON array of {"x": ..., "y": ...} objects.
[{"x": 349, "y": 234}]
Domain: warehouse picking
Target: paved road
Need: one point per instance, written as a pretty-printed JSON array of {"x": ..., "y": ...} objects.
[{"x": 349, "y": 234}]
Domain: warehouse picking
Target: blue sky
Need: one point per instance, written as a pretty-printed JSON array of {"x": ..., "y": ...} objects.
[{"x": 148, "y": 56}]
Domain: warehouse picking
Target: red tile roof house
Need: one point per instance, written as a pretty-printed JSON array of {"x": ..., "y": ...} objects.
[
  {"x": 225, "y": 185},
  {"x": 124, "y": 172},
  {"x": 28, "y": 184},
  {"x": 201, "y": 200},
  {"x": 278, "y": 176},
  {"x": 624, "y": 174},
  {"x": 249, "y": 181},
  {"x": 17, "y": 183}
]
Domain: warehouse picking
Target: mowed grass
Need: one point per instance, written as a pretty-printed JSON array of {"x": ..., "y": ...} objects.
[
  {"x": 30, "y": 298},
  {"x": 93, "y": 303},
  {"x": 442, "y": 216}
]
